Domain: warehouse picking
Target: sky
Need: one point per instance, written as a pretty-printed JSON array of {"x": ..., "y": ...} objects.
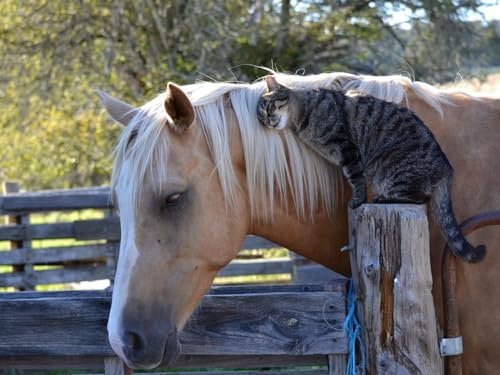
[{"x": 490, "y": 11}]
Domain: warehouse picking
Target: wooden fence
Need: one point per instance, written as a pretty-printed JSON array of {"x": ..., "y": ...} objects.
[
  {"x": 94, "y": 257},
  {"x": 260, "y": 326}
]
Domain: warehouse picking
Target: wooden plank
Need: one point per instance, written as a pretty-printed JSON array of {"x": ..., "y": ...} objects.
[
  {"x": 57, "y": 255},
  {"x": 285, "y": 323},
  {"x": 23, "y": 296},
  {"x": 104, "y": 229},
  {"x": 98, "y": 229},
  {"x": 36, "y": 231},
  {"x": 337, "y": 364},
  {"x": 258, "y": 324},
  {"x": 393, "y": 282},
  {"x": 101, "y": 229},
  {"x": 57, "y": 276},
  {"x": 55, "y": 200},
  {"x": 337, "y": 285},
  {"x": 296, "y": 371},
  {"x": 184, "y": 361},
  {"x": 256, "y": 267}
]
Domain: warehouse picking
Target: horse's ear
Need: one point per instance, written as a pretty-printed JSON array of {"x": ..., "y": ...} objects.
[
  {"x": 120, "y": 111},
  {"x": 272, "y": 84},
  {"x": 178, "y": 107}
]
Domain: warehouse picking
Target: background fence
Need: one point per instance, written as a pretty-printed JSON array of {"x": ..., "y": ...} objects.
[
  {"x": 70, "y": 236},
  {"x": 282, "y": 326}
]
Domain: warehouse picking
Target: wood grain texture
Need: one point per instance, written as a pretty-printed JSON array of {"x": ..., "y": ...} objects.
[
  {"x": 57, "y": 255},
  {"x": 393, "y": 283},
  {"x": 284, "y": 323},
  {"x": 55, "y": 276},
  {"x": 257, "y": 324},
  {"x": 337, "y": 285},
  {"x": 101, "y": 229},
  {"x": 97, "y": 268},
  {"x": 337, "y": 364},
  {"x": 55, "y": 200},
  {"x": 265, "y": 371},
  {"x": 184, "y": 361}
]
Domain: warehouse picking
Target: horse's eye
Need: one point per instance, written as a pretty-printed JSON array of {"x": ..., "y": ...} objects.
[{"x": 172, "y": 199}]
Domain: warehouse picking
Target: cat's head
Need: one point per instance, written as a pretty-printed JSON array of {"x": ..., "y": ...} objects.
[{"x": 274, "y": 104}]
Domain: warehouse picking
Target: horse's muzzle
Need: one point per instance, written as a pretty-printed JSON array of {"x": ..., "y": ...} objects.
[{"x": 145, "y": 353}]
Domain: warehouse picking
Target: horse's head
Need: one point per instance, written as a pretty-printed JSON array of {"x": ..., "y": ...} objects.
[{"x": 176, "y": 229}]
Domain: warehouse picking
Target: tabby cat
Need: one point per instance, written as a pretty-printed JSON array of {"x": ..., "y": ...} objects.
[{"x": 371, "y": 139}]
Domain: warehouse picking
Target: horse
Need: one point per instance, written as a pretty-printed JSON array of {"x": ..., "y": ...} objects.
[{"x": 195, "y": 172}]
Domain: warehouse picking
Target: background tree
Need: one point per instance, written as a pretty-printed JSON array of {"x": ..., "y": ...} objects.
[{"x": 54, "y": 53}]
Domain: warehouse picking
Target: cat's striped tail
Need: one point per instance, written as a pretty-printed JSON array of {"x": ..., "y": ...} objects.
[{"x": 443, "y": 212}]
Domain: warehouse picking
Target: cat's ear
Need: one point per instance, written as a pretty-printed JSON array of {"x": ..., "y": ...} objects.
[{"x": 272, "y": 84}]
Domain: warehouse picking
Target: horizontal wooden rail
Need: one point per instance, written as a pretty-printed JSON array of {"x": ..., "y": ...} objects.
[
  {"x": 83, "y": 230},
  {"x": 57, "y": 255},
  {"x": 91, "y": 251},
  {"x": 55, "y": 200},
  {"x": 99, "y": 271},
  {"x": 184, "y": 361},
  {"x": 273, "y": 321},
  {"x": 249, "y": 372},
  {"x": 257, "y": 267},
  {"x": 90, "y": 230},
  {"x": 57, "y": 276}
]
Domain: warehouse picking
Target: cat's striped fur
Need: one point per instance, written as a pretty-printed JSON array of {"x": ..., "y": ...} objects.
[{"x": 371, "y": 139}]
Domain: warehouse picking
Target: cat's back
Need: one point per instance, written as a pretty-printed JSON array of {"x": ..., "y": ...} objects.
[{"x": 390, "y": 120}]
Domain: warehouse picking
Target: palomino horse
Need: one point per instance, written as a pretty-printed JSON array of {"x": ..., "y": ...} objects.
[{"x": 195, "y": 173}]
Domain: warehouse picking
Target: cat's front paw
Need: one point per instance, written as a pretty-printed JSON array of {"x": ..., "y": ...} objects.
[{"x": 356, "y": 202}]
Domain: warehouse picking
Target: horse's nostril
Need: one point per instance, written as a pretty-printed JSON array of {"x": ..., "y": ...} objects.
[{"x": 134, "y": 345}]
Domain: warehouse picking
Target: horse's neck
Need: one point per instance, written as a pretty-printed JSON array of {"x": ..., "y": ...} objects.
[{"x": 319, "y": 240}]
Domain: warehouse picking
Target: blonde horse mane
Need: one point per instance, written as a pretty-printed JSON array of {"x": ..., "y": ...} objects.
[{"x": 276, "y": 163}]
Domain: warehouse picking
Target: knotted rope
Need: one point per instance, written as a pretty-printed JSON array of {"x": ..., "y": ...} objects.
[{"x": 353, "y": 332}]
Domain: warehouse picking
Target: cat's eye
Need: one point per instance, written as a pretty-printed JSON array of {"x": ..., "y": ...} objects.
[{"x": 280, "y": 103}]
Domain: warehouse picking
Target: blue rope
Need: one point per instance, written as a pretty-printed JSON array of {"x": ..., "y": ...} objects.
[{"x": 353, "y": 331}]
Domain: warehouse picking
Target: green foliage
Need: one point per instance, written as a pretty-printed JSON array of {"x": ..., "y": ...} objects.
[{"x": 55, "y": 53}]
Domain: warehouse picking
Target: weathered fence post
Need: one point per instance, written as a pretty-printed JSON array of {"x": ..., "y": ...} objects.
[
  {"x": 25, "y": 269},
  {"x": 391, "y": 273}
]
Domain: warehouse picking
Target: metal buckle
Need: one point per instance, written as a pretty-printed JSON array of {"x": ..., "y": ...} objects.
[{"x": 451, "y": 346}]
